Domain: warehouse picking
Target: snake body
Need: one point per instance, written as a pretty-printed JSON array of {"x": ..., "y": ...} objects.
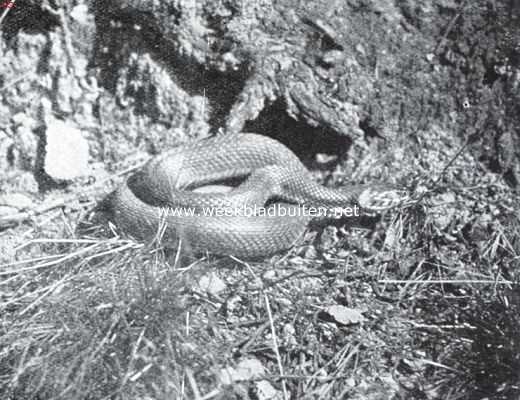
[{"x": 271, "y": 175}]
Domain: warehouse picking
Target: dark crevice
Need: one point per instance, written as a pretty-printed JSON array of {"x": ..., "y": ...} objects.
[
  {"x": 304, "y": 140},
  {"x": 490, "y": 76},
  {"x": 366, "y": 126}
]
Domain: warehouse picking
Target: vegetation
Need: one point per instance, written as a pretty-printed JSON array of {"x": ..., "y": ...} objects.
[{"x": 428, "y": 295}]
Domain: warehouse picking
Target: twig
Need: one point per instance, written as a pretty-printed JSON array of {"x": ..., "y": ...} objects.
[
  {"x": 66, "y": 201},
  {"x": 83, "y": 254},
  {"x": 446, "y": 281},
  {"x": 310, "y": 377},
  {"x": 324, "y": 28},
  {"x": 46, "y": 292},
  {"x": 211, "y": 394},
  {"x": 13, "y": 219},
  {"x": 439, "y": 365},
  {"x": 16, "y": 80},
  {"x": 245, "y": 344},
  {"x": 275, "y": 346},
  {"x": 193, "y": 383},
  {"x": 450, "y": 26},
  {"x": 6, "y": 10}
]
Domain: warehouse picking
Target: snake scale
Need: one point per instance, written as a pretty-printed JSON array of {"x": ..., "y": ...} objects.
[{"x": 269, "y": 174}]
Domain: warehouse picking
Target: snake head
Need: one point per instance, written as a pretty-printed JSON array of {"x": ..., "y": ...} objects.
[{"x": 374, "y": 200}]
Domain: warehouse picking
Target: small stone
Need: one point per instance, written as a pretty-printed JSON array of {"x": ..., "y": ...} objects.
[
  {"x": 251, "y": 367},
  {"x": 289, "y": 338},
  {"x": 233, "y": 303},
  {"x": 360, "y": 49},
  {"x": 350, "y": 382},
  {"x": 333, "y": 57},
  {"x": 212, "y": 284},
  {"x": 22, "y": 119},
  {"x": 230, "y": 59},
  {"x": 284, "y": 302},
  {"x": 226, "y": 376},
  {"x": 269, "y": 275},
  {"x": 322, "y": 158},
  {"x": 245, "y": 370},
  {"x": 311, "y": 253},
  {"x": 256, "y": 283},
  {"x": 266, "y": 391},
  {"x": 80, "y": 14},
  {"x": 415, "y": 365},
  {"x": 345, "y": 315}
]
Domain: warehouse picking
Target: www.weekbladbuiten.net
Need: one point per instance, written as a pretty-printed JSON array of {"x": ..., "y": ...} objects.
[{"x": 275, "y": 210}]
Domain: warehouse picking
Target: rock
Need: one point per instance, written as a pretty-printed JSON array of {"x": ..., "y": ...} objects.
[
  {"x": 270, "y": 275},
  {"x": 289, "y": 335},
  {"x": 350, "y": 382},
  {"x": 266, "y": 391},
  {"x": 360, "y": 49},
  {"x": 66, "y": 151},
  {"x": 245, "y": 370},
  {"x": 344, "y": 315},
  {"x": 212, "y": 284},
  {"x": 80, "y": 14},
  {"x": 322, "y": 158}
]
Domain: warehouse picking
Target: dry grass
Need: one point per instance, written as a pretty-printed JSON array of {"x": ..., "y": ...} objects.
[
  {"x": 98, "y": 318},
  {"x": 106, "y": 317}
]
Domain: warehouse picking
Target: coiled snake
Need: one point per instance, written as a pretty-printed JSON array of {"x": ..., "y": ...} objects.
[{"x": 156, "y": 201}]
